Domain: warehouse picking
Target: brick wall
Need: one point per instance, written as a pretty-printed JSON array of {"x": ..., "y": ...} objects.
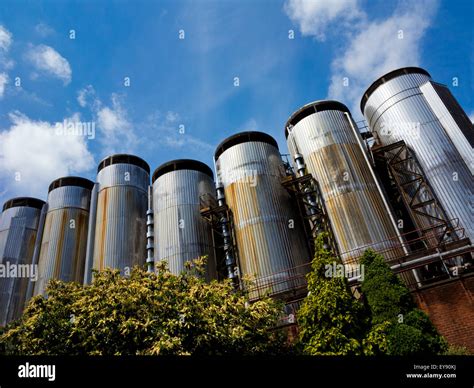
[{"x": 450, "y": 306}]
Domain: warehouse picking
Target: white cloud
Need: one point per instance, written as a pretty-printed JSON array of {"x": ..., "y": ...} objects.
[
  {"x": 471, "y": 117},
  {"x": 5, "y": 38},
  {"x": 380, "y": 47},
  {"x": 3, "y": 82},
  {"x": 43, "y": 30},
  {"x": 315, "y": 17},
  {"x": 48, "y": 60},
  {"x": 115, "y": 131},
  {"x": 372, "y": 47},
  {"x": 35, "y": 151}
]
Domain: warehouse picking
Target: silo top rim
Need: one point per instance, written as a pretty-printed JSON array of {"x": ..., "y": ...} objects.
[
  {"x": 123, "y": 158},
  {"x": 244, "y": 137},
  {"x": 313, "y": 107},
  {"x": 23, "y": 201},
  {"x": 71, "y": 181},
  {"x": 182, "y": 164},
  {"x": 387, "y": 77}
]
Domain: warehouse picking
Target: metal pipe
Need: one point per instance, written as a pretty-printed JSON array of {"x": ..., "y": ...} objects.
[
  {"x": 418, "y": 261},
  {"x": 226, "y": 233},
  {"x": 91, "y": 235},
  {"x": 150, "y": 238}
]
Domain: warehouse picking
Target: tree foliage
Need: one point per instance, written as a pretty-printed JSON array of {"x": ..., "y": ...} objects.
[
  {"x": 384, "y": 321},
  {"x": 331, "y": 321},
  {"x": 145, "y": 314},
  {"x": 398, "y": 327}
]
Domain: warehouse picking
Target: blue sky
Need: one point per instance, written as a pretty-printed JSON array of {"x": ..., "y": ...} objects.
[{"x": 46, "y": 77}]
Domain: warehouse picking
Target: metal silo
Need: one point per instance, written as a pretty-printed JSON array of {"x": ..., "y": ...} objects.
[
  {"x": 271, "y": 243},
  {"x": 63, "y": 242},
  {"x": 181, "y": 234},
  {"x": 19, "y": 223},
  {"x": 405, "y": 107},
  {"x": 118, "y": 239},
  {"x": 324, "y": 133}
]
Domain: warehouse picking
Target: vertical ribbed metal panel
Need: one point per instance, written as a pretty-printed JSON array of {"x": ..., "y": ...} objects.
[
  {"x": 269, "y": 249},
  {"x": 354, "y": 203},
  {"x": 181, "y": 234},
  {"x": 451, "y": 119},
  {"x": 120, "y": 231},
  {"x": 64, "y": 240},
  {"x": 404, "y": 101},
  {"x": 18, "y": 228}
]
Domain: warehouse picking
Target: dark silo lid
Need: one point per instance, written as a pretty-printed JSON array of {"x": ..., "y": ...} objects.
[
  {"x": 23, "y": 201},
  {"x": 71, "y": 181},
  {"x": 313, "y": 107},
  {"x": 123, "y": 158},
  {"x": 387, "y": 77},
  {"x": 244, "y": 137},
  {"x": 182, "y": 164}
]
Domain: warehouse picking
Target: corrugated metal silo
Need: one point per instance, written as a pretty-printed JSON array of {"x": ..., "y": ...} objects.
[
  {"x": 63, "y": 243},
  {"x": 18, "y": 229},
  {"x": 406, "y": 105},
  {"x": 271, "y": 243},
  {"x": 324, "y": 133},
  {"x": 120, "y": 218},
  {"x": 181, "y": 234}
]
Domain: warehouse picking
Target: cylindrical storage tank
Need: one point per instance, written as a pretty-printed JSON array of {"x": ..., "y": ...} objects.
[
  {"x": 120, "y": 228},
  {"x": 407, "y": 105},
  {"x": 18, "y": 228},
  {"x": 325, "y": 134},
  {"x": 63, "y": 244},
  {"x": 271, "y": 244},
  {"x": 181, "y": 234}
]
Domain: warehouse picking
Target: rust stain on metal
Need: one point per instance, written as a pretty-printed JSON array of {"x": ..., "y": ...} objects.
[{"x": 63, "y": 225}]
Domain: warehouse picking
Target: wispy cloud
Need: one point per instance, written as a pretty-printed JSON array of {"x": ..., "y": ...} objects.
[
  {"x": 48, "y": 61},
  {"x": 372, "y": 47},
  {"x": 3, "y": 83},
  {"x": 116, "y": 133},
  {"x": 166, "y": 129},
  {"x": 86, "y": 96},
  {"x": 43, "y": 30},
  {"x": 250, "y": 125},
  {"x": 6, "y": 38}
]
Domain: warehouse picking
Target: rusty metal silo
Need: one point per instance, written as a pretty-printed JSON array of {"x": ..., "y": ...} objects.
[
  {"x": 19, "y": 224},
  {"x": 64, "y": 238},
  {"x": 324, "y": 133},
  {"x": 271, "y": 243},
  {"x": 419, "y": 125},
  {"x": 180, "y": 233},
  {"x": 119, "y": 237}
]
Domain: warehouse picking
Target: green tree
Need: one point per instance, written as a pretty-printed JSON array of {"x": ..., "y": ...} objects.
[
  {"x": 331, "y": 320},
  {"x": 398, "y": 327},
  {"x": 158, "y": 314}
]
